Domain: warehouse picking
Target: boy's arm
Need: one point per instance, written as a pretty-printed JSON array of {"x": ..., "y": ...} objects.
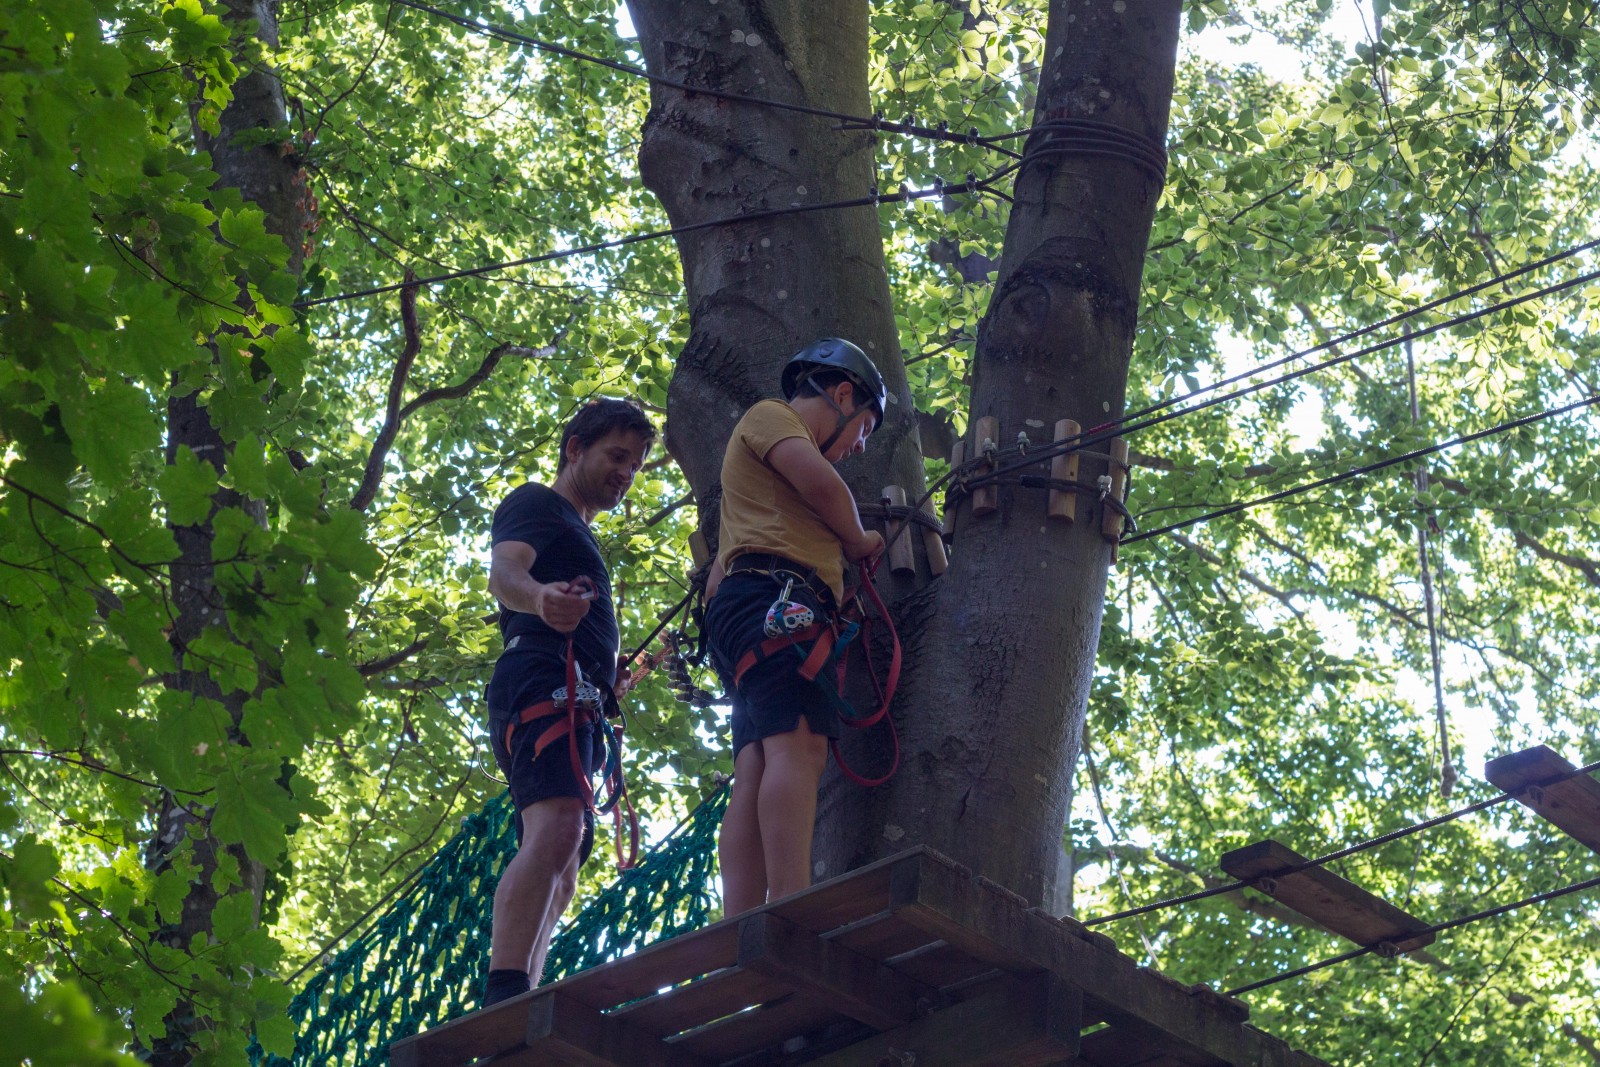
[
  {"x": 512, "y": 585},
  {"x": 802, "y": 466}
]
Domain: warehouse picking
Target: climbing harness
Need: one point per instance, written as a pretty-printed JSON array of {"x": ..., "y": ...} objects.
[
  {"x": 583, "y": 703},
  {"x": 830, "y": 641}
]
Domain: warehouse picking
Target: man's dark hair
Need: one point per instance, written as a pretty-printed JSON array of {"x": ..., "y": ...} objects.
[
  {"x": 599, "y": 417},
  {"x": 826, "y": 378}
]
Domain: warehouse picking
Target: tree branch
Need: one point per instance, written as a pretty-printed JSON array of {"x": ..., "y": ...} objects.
[
  {"x": 393, "y": 660},
  {"x": 397, "y": 385},
  {"x": 1282, "y": 596}
]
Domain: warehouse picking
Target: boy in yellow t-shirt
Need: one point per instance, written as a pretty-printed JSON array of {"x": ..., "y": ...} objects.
[{"x": 789, "y": 524}]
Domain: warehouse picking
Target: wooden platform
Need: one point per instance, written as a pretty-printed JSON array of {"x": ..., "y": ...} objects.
[
  {"x": 910, "y": 962},
  {"x": 1544, "y": 781}
]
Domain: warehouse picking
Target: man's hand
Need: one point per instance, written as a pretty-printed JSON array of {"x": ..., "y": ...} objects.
[
  {"x": 560, "y": 608},
  {"x": 870, "y": 545}
]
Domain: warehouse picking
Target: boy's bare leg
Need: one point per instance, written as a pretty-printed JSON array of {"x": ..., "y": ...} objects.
[
  {"x": 744, "y": 865},
  {"x": 787, "y": 806},
  {"x": 551, "y": 832}
]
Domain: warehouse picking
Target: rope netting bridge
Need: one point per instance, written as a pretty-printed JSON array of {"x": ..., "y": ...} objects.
[{"x": 421, "y": 963}]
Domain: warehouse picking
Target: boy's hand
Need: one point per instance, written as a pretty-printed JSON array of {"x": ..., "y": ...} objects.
[
  {"x": 871, "y": 544},
  {"x": 624, "y": 682},
  {"x": 561, "y": 609}
]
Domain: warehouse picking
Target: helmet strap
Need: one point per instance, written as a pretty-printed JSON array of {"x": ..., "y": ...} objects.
[{"x": 843, "y": 420}]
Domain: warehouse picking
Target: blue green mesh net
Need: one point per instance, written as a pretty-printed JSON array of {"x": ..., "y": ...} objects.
[{"x": 422, "y": 962}]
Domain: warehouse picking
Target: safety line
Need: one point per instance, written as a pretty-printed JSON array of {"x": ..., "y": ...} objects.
[
  {"x": 876, "y": 123},
  {"x": 1350, "y": 850},
  {"x": 971, "y": 185},
  {"x": 1356, "y": 472},
  {"x": 1437, "y": 928}
]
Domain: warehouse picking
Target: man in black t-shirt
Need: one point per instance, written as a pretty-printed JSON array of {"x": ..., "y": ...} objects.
[{"x": 543, "y": 550}]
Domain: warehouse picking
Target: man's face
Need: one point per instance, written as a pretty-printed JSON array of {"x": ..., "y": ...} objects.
[
  {"x": 603, "y": 472},
  {"x": 860, "y": 421}
]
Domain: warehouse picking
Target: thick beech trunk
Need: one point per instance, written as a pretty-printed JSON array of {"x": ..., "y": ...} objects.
[
  {"x": 270, "y": 178},
  {"x": 1001, "y": 651}
]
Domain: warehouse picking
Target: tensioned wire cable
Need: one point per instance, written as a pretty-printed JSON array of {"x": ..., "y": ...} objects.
[
  {"x": 1126, "y": 424},
  {"x": 1437, "y": 928},
  {"x": 970, "y": 185},
  {"x": 876, "y": 123},
  {"x": 1351, "y": 850},
  {"x": 1369, "y": 468}
]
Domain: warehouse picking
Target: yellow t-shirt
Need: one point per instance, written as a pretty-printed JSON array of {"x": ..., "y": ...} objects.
[{"x": 761, "y": 511}]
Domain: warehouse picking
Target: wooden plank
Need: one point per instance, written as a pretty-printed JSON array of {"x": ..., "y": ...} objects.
[
  {"x": 1032, "y": 1022},
  {"x": 902, "y": 553},
  {"x": 850, "y": 984},
  {"x": 985, "y": 498},
  {"x": 749, "y": 1031},
  {"x": 562, "y": 1030},
  {"x": 667, "y": 963},
  {"x": 489, "y": 1032},
  {"x": 1116, "y": 1047},
  {"x": 1573, "y": 804},
  {"x": 880, "y": 936},
  {"x": 948, "y": 902},
  {"x": 701, "y": 1001},
  {"x": 1334, "y": 903}
]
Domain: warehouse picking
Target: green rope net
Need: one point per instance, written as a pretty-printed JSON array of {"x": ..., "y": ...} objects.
[{"x": 422, "y": 962}]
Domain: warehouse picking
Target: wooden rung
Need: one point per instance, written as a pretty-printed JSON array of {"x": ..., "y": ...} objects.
[
  {"x": 849, "y": 984},
  {"x": 985, "y": 499},
  {"x": 902, "y": 553},
  {"x": 933, "y": 544},
  {"x": 1334, "y": 903},
  {"x": 1111, "y": 521},
  {"x": 958, "y": 456},
  {"x": 561, "y": 1030},
  {"x": 699, "y": 551},
  {"x": 1063, "y": 503},
  {"x": 1573, "y": 804}
]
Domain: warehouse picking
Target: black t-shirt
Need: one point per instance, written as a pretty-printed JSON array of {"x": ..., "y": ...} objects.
[{"x": 535, "y": 655}]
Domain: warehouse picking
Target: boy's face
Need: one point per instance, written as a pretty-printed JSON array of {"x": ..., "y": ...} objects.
[
  {"x": 603, "y": 472},
  {"x": 860, "y": 421}
]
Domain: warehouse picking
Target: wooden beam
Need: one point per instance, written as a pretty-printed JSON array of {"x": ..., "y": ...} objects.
[
  {"x": 480, "y": 1035},
  {"x": 1032, "y": 1022},
  {"x": 562, "y": 1030},
  {"x": 1573, "y": 804},
  {"x": 948, "y": 902},
  {"x": 850, "y": 984},
  {"x": 1334, "y": 903}
]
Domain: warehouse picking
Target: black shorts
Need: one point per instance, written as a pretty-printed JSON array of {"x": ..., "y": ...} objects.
[
  {"x": 550, "y": 775},
  {"x": 772, "y": 696}
]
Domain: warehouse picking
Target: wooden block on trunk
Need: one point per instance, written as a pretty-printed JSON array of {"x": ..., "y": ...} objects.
[
  {"x": 1572, "y": 804},
  {"x": 1063, "y": 503},
  {"x": 1334, "y": 903},
  {"x": 902, "y": 554},
  {"x": 985, "y": 499}
]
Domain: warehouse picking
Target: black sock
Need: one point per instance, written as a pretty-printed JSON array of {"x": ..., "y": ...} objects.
[{"x": 505, "y": 984}]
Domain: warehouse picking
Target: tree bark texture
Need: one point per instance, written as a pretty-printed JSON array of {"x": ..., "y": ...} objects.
[
  {"x": 758, "y": 291},
  {"x": 999, "y": 652},
  {"x": 994, "y": 710},
  {"x": 269, "y": 177}
]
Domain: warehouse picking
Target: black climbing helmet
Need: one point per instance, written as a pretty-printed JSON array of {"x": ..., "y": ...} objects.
[{"x": 837, "y": 354}]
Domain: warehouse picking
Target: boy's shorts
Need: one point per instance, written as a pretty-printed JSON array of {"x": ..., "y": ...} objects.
[
  {"x": 550, "y": 775},
  {"x": 772, "y": 696}
]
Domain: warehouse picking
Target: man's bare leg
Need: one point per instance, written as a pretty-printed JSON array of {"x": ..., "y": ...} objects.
[{"x": 551, "y": 833}]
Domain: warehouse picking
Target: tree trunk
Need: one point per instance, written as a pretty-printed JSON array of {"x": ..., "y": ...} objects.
[
  {"x": 997, "y": 675},
  {"x": 269, "y": 177},
  {"x": 996, "y": 702},
  {"x": 760, "y": 290}
]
